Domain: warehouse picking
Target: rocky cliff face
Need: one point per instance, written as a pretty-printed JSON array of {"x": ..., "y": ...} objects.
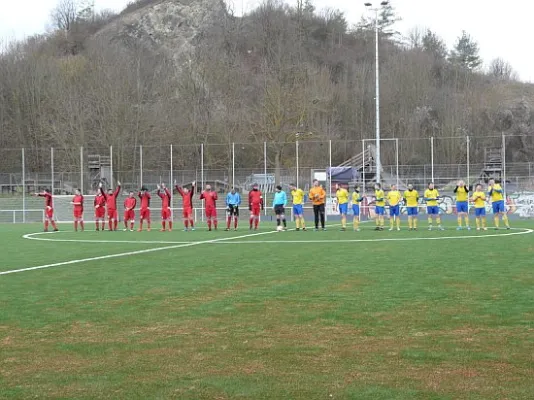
[{"x": 170, "y": 26}]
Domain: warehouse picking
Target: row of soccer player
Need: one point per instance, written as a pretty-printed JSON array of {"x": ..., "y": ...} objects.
[
  {"x": 410, "y": 198},
  {"x": 108, "y": 201}
]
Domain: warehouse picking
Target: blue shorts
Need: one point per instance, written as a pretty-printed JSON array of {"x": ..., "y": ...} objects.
[
  {"x": 498, "y": 207},
  {"x": 356, "y": 210},
  {"x": 480, "y": 212},
  {"x": 412, "y": 211},
  {"x": 297, "y": 209},
  {"x": 380, "y": 210},
  {"x": 343, "y": 208},
  {"x": 432, "y": 210},
  {"x": 394, "y": 211},
  {"x": 461, "y": 207}
]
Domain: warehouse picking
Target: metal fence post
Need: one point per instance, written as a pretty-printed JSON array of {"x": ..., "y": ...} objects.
[
  {"x": 23, "y": 186},
  {"x": 233, "y": 164},
  {"x": 81, "y": 169},
  {"x": 141, "y": 165},
  {"x": 467, "y": 143},
  {"x": 265, "y": 175},
  {"x": 297, "y": 161},
  {"x": 111, "y": 165},
  {"x": 432, "y": 157},
  {"x": 504, "y": 165},
  {"x": 397, "y": 160},
  {"x": 171, "y": 184},
  {"x": 329, "y": 174},
  {"x": 363, "y": 166},
  {"x": 202, "y": 177},
  {"x": 52, "y": 169}
]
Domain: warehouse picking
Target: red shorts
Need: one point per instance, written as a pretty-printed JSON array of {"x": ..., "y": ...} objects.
[
  {"x": 78, "y": 214},
  {"x": 166, "y": 214},
  {"x": 255, "y": 211},
  {"x": 112, "y": 214},
  {"x": 211, "y": 212},
  {"x": 145, "y": 213},
  {"x": 100, "y": 212},
  {"x": 49, "y": 213},
  {"x": 187, "y": 213},
  {"x": 129, "y": 215}
]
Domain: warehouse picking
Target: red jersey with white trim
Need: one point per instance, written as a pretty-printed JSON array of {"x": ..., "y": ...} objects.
[
  {"x": 78, "y": 202},
  {"x": 48, "y": 199},
  {"x": 209, "y": 198},
  {"x": 130, "y": 203},
  {"x": 145, "y": 200},
  {"x": 186, "y": 197},
  {"x": 111, "y": 199},
  {"x": 99, "y": 201},
  {"x": 165, "y": 198},
  {"x": 255, "y": 198}
]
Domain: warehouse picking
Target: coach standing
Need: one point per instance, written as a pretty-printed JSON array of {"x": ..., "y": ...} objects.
[{"x": 318, "y": 198}]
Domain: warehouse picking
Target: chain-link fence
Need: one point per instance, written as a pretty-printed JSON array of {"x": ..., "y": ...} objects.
[{"x": 417, "y": 161}]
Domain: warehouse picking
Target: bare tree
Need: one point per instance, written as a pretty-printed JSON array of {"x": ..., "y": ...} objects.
[
  {"x": 501, "y": 69},
  {"x": 64, "y": 15}
]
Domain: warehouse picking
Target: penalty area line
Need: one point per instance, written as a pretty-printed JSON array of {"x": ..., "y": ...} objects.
[{"x": 132, "y": 253}]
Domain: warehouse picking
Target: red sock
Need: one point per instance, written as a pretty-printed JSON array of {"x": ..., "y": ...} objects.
[
  {"x": 82, "y": 225},
  {"x": 54, "y": 225},
  {"x": 209, "y": 223},
  {"x": 46, "y": 225},
  {"x": 116, "y": 225},
  {"x": 256, "y": 222},
  {"x": 103, "y": 224},
  {"x": 215, "y": 223},
  {"x": 97, "y": 225},
  {"x": 163, "y": 223},
  {"x": 170, "y": 225},
  {"x": 235, "y": 223},
  {"x": 192, "y": 223},
  {"x": 251, "y": 221},
  {"x": 228, "y": 222},
  {"x": 186, "y": 224},
  {"x": 131, "y": 225},
  {"x": 76, "y": 226},
  {"x": 110, "y": 223}
]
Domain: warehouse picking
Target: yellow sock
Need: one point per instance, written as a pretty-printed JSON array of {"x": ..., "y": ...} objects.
[
  {"x": 391, "y": 223},
  {"x": 297, "y": 222},
  {"x": 438, "y": 220},
  {"x": 355, "y": 222},
  {"x": 496, "y": 219},
  {"x": 343, "y": 221},
  {"x": 302, "y": 223},
  {"x": 459, "y": 220},
  {"x": 483, "y": 222},
  {"x": 398, "y": 222},
  {"x": 410, "y": 224},
  {"x": 466, "y": 220},
  {"x": 429, "y": 220},
  {"x": 414, "y": 222},
  {"x": 477, "y": 221},
  {"x": 377, "y": 221},
  {"x": 505, "y": 220},
  {"x": 382, "y": 221}
]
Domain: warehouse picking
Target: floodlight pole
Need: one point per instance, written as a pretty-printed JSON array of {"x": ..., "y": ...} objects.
[{"x": 377, "y": 88}]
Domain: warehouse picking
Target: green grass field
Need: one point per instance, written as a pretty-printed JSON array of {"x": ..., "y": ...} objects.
[{"x": 292, "y": 315}]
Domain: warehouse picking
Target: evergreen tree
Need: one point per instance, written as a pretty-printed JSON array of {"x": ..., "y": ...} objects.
[
  {"x": 434, "y": 45},
  {"x": 465, "y": 53}
]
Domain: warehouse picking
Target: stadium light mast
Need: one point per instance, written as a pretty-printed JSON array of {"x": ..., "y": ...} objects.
[{"x": 377, "y": 87}]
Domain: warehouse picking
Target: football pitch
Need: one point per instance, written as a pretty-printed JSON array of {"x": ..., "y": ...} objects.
[{"x": 266, "y": 315}]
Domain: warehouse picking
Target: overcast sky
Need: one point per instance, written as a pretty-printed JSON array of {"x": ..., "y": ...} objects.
[{"x": 500, "y": 28}]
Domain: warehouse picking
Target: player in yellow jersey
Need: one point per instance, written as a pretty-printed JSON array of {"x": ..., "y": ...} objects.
[
  {"x": 432, "y": 208},
  {"x": 479, "y": 198},
  {"x": 380, "y": 207},
  {"x": 411, "y": 199},
  {"x": 462, "y": 205},
  {"x": 298, "y": 211},
  {"x": 496, "y": 194},
  {"x": 342, "y": 196},
  {"x": 394, "y": 198},
  {"x": 356, "y": 199}
]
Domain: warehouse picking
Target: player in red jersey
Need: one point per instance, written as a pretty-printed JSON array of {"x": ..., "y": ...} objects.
[
  {"x": 77, "y": 202},
  {"x": 255, "y": 205},
  {"x": 144, "y": 213},
  {"x": 129, "y": 211},
  {"x": 111, "y": 203},
  {"x": 49, "y": 210},
  {"x": 210, "y": 197},
  {"x": 166, "y": 213},
  {"x": 187, "y": 198},
  {"x": 100, "y": 210}
]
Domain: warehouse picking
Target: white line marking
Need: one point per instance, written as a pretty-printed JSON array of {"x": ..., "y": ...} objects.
[
  {"x": 132, "y": 253},
  {"x": 523, "y": 232}
]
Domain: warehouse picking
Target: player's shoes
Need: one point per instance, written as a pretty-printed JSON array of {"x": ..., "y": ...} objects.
[
  {"x": 496, "y": 228},
  {"x": 303, "y": 229},
  {"x": 297, "y": 229},
  {"x": 324, "y": 229},
  {"x": 468, "y": 228},
  {"x": 125, "y": 230},
  {"x": 192, "y": 229},
  {"x": 148, "y": 230},
  {"x": 390, "y": 229},
  {"x": 357, "y": 230},
  {"x": 430, "y": 228},
  {"x": 398, "y": 229},
  {"x": 227, "y": 230},
  {"x": 485, "y": 229},
  {"x": 508, "y": 228},
  {"x": 441, "y": 228},
  {"x": 377, "y": 228},
  {"x": 459, "y": 228},
  {"x": 316, "y": 229},
  {"x": 185, "y": 229},
  {"x": 139, "y": 230},
  {"x": 162, "y": 230},
  {"x": 131, "y": 230},
  {"x": 478, "y": 229},
  {"x": 235, "y": 229},
  {"x": 343, "y": 229},
  {"x": 209, "y": 230}
]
